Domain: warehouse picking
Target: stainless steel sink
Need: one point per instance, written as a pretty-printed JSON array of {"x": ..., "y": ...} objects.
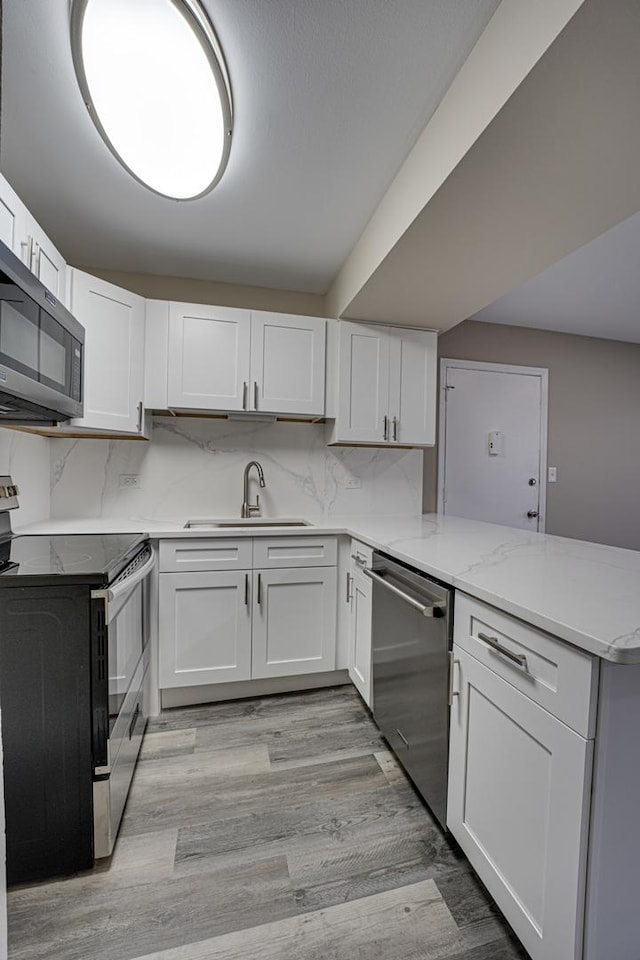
[{"x": 242, "y": 523}]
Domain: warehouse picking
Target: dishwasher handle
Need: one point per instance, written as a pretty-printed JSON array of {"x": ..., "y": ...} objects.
[{"x": 435, "y": 610}]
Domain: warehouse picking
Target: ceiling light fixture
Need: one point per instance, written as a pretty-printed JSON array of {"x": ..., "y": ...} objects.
[{"x": 156, "y": 86}]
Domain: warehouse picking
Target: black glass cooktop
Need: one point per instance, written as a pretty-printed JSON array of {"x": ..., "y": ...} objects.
[{"x": 86, "y": 558}]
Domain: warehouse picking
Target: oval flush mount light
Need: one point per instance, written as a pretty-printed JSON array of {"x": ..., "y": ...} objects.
[{"x": 155, "y": 83}]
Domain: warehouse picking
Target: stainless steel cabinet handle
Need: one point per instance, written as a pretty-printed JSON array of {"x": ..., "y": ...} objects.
[
  {"x": 437, "y": 610},
  {"x": 255, "y": 395},
  {"x": 140, "y": 417},
  {"x": 494, "y": 643},
  {"x": 27, "y": 251},
  {"x": 349, "y": 584},
  {"x": 452, "y": 665},
  {"x": 403, "y": 738},
  {"x": 259, "y": 590},
  {"x": 385, "y": 434},
  {"x": 245, "y": 388},
  {"x": 246, "y": 589},
  {"x": 359, "y": 560},
  {"x": 395, "y": 428}
]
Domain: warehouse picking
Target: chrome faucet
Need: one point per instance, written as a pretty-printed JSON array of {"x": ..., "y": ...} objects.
[{"x": 250, "y": 508}]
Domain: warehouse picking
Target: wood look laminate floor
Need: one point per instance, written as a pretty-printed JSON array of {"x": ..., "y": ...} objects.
[{"x": 279, "y": 828}]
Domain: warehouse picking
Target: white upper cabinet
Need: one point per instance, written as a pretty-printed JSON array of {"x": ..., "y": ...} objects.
[
  {"x": 46, "y": 262},
  {"x": 221, "y": 358},
  {"x": 412, "y": 386},
  {"x": 208, "y": 366},
  {"x": 386, "y": 386},
  {"x": 113, "y": 356},
  {"x": 363, "y": 383},
  {"x": 29, "y": 242},
  {"x": 287, "y": 364},
  {"x": 13, "y": 220}
]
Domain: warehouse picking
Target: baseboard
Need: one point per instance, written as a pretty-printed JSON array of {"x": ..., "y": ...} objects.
[{"x": 212, "y": 693}]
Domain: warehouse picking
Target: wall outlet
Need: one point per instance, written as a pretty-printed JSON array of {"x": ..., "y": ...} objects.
[
  {"x": 129, "y": 481},
  {"x": 553, "y": 474},
  {"x": 351, "y": 483}
]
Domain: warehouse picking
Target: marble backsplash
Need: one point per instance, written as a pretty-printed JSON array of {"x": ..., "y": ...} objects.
[
  {"x": 26, "y": 458},
  {"x": 194, "y": 467}
]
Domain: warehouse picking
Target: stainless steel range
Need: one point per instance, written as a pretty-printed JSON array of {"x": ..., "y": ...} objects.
[{"x": 74, "y": 658}]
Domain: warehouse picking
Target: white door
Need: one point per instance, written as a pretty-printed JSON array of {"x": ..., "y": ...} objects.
[
  {"x": 518, "y": 806},
  {"x": 492, "y": 456},
  {"x": 412, "y": 386},
  {"x": 47, "y": 262},
  {"x": 205, "y": 628},
  {"x": 13, "y": 221},
  {"x": 363, "y": 389},
  {"x": 287, "y": 364},
  {"x": 113, "y": 354},
  {"x": 208, "y": 357},
  {"x": 360, "y": 634},
  {"x": 294, "y": 621}
]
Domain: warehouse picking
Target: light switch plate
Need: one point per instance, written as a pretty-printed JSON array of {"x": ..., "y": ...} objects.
[
  {"x": 553, "y": 474},
  {"x": 129, "y": 481},
  {"x": 351, "y": 483}
]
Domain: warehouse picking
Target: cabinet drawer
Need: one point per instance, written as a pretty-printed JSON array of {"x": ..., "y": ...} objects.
[
  {"x": 270, "y": 553},
  {"x": 178, "y": 555},
  {"x": 361, "y": 555},
  {"x": 559, "y": 677}
]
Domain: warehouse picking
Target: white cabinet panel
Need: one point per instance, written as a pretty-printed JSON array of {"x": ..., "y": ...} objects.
[
  {"x": 363, "y": 383},
  {"x": 294, "y": 621},
  {"x": 287, "y": 364},
  {"x": 386, "y": 386},
  {"x": 412, "y": 386},
  {"x": 208, "y": 365},
  {"x": 113, "y": 319},
  {"x": 13, "y": 220},
  {"x": 361, "y": 595},
  {"x": 308, "y": 551},
  {"x": 205, "y": 628},
  {"x": 195, "y": 554},
  {"x": 519, "y": 807},
  {"x": 46, "y": 262}
]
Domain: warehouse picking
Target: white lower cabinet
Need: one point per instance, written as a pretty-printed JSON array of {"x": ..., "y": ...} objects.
[
  {"x": 219, "y": 623},
  {"x": 294, "y": 624},
  {"x": 519, "y": 784},
  {"x": 205, "y": 628},
  {"x": 360, "y": 596}
]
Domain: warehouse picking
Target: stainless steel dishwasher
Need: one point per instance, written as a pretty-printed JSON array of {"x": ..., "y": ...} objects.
[{"x": 412, "y": 635}]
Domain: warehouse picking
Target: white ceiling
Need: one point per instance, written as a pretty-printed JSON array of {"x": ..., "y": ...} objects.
[
  {"x": 329, "y": 98},
  {"x": 595, "y": 291}
]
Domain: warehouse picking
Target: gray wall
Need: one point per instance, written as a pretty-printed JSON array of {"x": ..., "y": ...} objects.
[{"x": 594, "y": 425}]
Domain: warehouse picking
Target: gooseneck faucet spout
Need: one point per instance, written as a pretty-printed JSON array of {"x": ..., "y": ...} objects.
[{"x": 248, "y": 509}]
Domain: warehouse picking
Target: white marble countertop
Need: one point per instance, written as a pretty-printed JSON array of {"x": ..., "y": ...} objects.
[{"x": 585, "y": 593}]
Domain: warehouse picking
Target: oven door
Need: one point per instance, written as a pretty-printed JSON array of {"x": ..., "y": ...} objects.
[{"x": 120, "y": 709}]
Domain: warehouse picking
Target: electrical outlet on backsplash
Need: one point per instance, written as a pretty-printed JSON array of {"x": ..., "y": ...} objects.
[{"x": 194, "y": 467}]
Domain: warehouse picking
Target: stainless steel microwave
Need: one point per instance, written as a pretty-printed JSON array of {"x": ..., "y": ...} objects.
[{"x": 41, "y": 350}]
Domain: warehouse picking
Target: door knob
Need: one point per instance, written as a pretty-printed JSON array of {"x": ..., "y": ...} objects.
[{"x": 532, "y": 514}]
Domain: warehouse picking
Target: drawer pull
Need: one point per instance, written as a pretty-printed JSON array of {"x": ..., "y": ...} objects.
[
  {"x": 359, "y": 559},
  {"x": 494, "y": 643}
]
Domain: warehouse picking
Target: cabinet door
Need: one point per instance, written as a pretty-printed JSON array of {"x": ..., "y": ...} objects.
[
  {"x": 287, "y": 364},
  {"x": 360, "y": 634},
  {"x": 205, "y": 628},
  {"x": 363, "y": 384},
  {"x": 412, "y": 386},
  {"x": 113, "y": 354},
  {"x": 13, "y": 220},
  {"x": 208, "y": 357},
  {"x": 519, "y": 783},
  {"x": 294, "y": 621},
  {"x": 47, "y": 262}
]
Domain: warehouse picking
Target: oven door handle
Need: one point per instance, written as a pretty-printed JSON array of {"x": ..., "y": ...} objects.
[
  {"x": 436, "y": 610},
  {"x": 127, "y": 585}
]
